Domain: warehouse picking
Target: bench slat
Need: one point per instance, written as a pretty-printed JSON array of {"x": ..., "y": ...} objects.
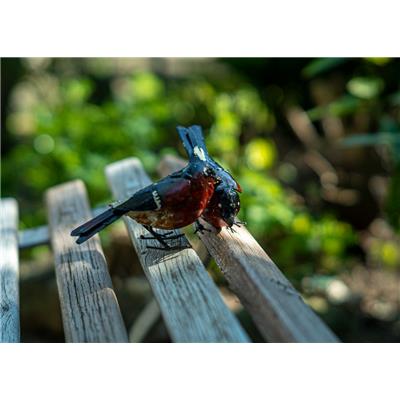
[
  {"x": 90, "y": 310},
  {"x": 33, "y": 237},
  {"x": 275, "y": 306},
  {"x": 190, "y": 303},
  {"x": 9, "y": 272}
]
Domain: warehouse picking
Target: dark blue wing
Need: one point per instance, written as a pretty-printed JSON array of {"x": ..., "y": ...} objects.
[
  {"x": 152, "y": 197},
  {"x": 142, "y": 200}
]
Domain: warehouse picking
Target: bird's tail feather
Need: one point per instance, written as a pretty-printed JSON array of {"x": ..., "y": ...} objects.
[
  {"x": 192, "y": 138},
  {"x": 90, "y": 228}
]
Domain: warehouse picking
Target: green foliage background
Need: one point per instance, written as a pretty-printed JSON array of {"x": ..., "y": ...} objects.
[{"x": 68, "y": 119}]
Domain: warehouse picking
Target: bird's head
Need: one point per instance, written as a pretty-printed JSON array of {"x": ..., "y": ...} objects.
[
  {"x": 210, "y": 172},
  {"x": 229, "y": 204}
]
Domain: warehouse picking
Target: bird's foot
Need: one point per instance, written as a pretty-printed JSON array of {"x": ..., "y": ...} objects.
[
  {"x": 240, "y": 223},
  {"x": 201, "y": 228}
]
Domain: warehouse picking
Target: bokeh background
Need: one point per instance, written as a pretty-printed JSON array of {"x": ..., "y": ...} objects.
[{"x": 315, "y": 144}]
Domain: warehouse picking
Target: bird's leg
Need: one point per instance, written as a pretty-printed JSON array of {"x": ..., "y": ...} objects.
[
  {"x": 200, "y": 227},
  {"x": 161, "y": 239}
]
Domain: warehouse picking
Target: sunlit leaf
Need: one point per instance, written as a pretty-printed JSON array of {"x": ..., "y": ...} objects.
[
  {"x": 77, "y": 90},
  {"x": 146, "y": 86},
  {"x": 260, "y": 153},
  {"x": 301, "y": 224},
  {"x": 378, "y": 60},
  {"x": 365, "y": 87}
]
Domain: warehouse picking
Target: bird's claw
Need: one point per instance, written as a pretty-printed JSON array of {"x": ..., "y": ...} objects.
[
  {"x": 162, "y": 238},
  {"x": 240, "y": 223}
]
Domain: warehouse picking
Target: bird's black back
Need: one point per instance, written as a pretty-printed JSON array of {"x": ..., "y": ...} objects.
[{"x": 151, "y": 197}]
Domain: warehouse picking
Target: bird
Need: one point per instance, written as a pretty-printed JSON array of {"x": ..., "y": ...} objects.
[
  {"x": 224, "y": 204},
  {"x": 174, "y": 202}
]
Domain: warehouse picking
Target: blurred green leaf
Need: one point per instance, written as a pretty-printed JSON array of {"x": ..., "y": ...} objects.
[
  {"x": 260, "y": 153},
  {"x": 372, "y": 139},
  {"x": 344, "y": 106},
  {"x": 365, "y": 87},
  {"x": 321, "y": 65},
  {"x": 380, "y": 61},
  {"x": 394, "y": 99}
]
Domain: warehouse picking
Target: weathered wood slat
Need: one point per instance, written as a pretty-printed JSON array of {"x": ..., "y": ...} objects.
[
  {"x": 38, "y": 236},
  {"x": 33, "y": 237},
  {"x": 90, "y": 310},
  {"x": 190, "y": 303},
  {"x": 275, "y": 306},
  {"x": 9, "y": 272}
]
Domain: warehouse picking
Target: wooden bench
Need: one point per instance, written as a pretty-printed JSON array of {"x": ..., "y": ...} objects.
[{"x": 190, "y": 303}]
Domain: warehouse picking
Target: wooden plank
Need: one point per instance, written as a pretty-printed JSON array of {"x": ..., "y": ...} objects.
[
  {"x": 275, "y": 306},
  {"x": 190, "y": 303},
  {"x": 32, "y": 237},
  {"x": 9, "y": 272},
  {"x": 89, "y": 308}
]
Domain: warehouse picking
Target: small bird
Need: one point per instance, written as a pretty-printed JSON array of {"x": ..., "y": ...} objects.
[
  {"x": 224, "y": 204},
  {"x": 171, "y": 203}
]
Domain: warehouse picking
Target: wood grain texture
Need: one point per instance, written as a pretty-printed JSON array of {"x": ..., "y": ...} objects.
[
  {"x": 9, "y": 272},
  {"x": 275, "y": 306},
  {"x": 190, "y": 303},
  {"x": 89, "y": 308}
]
